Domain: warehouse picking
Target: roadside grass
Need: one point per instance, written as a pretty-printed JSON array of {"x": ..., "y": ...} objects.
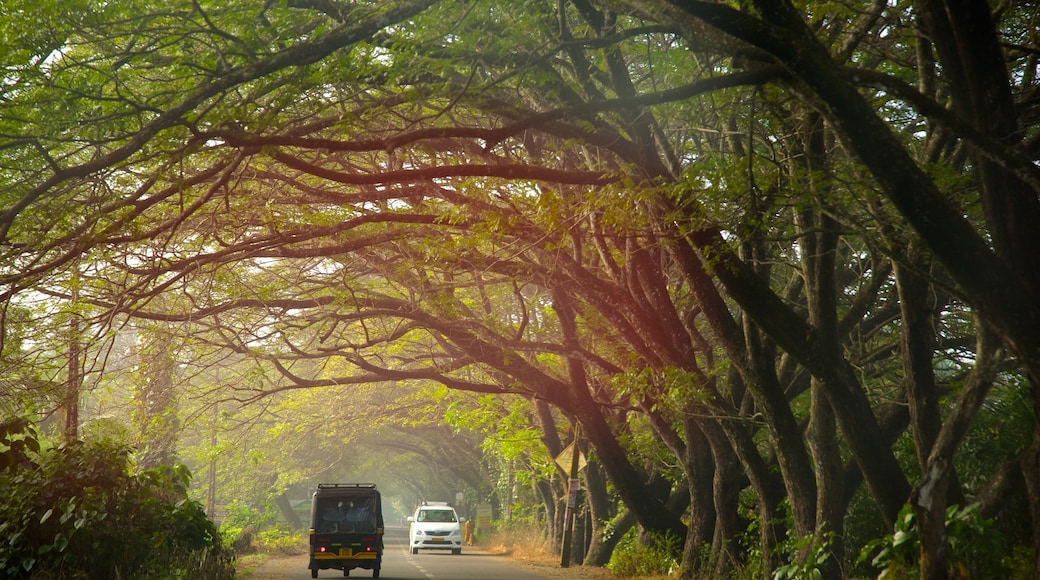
[
  {"x": 528, "y": 545},
  {"x": 255, "y": 549}
]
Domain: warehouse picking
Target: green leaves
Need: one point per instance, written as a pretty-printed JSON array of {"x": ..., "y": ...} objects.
[
  {"x": 19, "y": 443},
  {"x": 77, "y": 508}
]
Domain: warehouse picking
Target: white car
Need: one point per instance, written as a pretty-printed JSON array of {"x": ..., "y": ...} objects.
[{"x": 435, "y": 526}]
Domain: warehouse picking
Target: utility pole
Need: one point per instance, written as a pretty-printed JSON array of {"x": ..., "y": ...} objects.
[{"x": 573, "y": 501}]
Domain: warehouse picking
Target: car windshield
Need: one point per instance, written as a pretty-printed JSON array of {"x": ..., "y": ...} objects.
[{"x": 436, "y": 516}]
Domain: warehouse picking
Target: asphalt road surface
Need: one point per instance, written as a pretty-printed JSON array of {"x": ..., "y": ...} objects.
[{"x": 400, "y": 564}]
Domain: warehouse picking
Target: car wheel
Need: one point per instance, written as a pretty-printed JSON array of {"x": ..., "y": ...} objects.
[
  {"x": 346, "y": 571},
  {"x": 456, "y": 551},
  {"x": 314, "y": 573},
  {"x": 375, "y": 572},
  {"x": 415, "y": 550}
]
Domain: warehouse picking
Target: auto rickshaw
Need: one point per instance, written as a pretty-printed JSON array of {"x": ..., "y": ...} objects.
[{"x": 346, "y": 528}]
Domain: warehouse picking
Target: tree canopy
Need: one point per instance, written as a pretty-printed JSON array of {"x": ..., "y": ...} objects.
[{"x": 796, "y": 242}]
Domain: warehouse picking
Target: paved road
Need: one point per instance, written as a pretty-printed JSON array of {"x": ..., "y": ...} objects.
[{"x": 400, "y": 564}]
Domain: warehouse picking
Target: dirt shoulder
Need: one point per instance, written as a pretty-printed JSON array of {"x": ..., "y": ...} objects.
[{"x": 550, "y": 567}]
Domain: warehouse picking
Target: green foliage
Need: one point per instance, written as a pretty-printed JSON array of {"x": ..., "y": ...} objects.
[
  {"x": 807, "y": 556},
  {"x": 18, "y": 443},
  {"x": 974, "y": 549},
  {"x": 77, "y": 511},
  {"x": 281, "y": 540},
  {"x": 658, "y": 554},
  {"x": 244, "y": 523},
  {"x": 241, "y": 515},
  {"x": 999, "y": 433}
]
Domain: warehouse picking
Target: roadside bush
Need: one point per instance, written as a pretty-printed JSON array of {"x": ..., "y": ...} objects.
[
  {"x": 655, "y": 555},
  {"x": 520, "y": 540},
  {"x": 281, "y": 540},
  {"x": 244, "y": 524},
  {"x": 974, "y": 548},
  {"x": 76, "y": 511}
]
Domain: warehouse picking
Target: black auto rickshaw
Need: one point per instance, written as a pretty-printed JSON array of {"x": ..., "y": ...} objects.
[{"x": 346, "y": 528}]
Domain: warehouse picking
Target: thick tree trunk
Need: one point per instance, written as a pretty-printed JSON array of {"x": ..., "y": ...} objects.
[
  {"x": 929, "y": 497},
  {"x": 929, "y": 505},
  {"x": 549, "y": 501},
  {"x": 599, "y": 555},
  {"x": 700, "y": 469},
  {"x": 630, "y": 483},
  {"x": 883, "y": 474},
  {"x": 830, "y": 505},
  {"x": 728, "y": 482},
  {"x": 551, "y": 439},
  {"x": 918, "y": 349},
  {"x": 291, "y": 517},
  {"x": 970, "y": 51},
  {"x": 1030, "y": 462},
  {"x": 819, "y": 236},
  {"x": 599, "y": 511},
  {"x": 755, "y": 363}
]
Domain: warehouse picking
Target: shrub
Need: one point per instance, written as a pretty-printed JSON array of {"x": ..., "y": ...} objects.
[
  {"x": 657, "y": 555},
  {"x": 520, "y": 539},
  {"x": 974, "y": 547},
  {"x": 806, "y": 556},
  {"x": 243, "y": 523},
  {"x": 76, "y": 511}
]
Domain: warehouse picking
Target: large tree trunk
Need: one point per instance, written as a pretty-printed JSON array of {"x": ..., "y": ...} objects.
[
  {"x": 599, "y": 555},
  {"x": 918, "y": 349},
  {"x": 819, "y": 238},
  {"x": 754, "y": 361},
  {"x": 551, "y": 439},
  {"x": 630, "y": 483},
  {"x": 929, "y": 497},
  {"x": 549, "y": 501},
  {"x": 291, "y": 517},
  {"x": 970, "y": 51},
  {"x": 728, "y": 482},
  {"x": 599, "y": 513},
  {"x": 882, "y": 473},
  {"x": 700, "y": 470},
  {"x": 830, "y": 504},
  {"x": 1030, "y": 463}
]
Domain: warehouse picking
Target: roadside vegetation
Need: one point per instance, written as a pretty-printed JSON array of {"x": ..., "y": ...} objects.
[{"x": 79, "y": 510}]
